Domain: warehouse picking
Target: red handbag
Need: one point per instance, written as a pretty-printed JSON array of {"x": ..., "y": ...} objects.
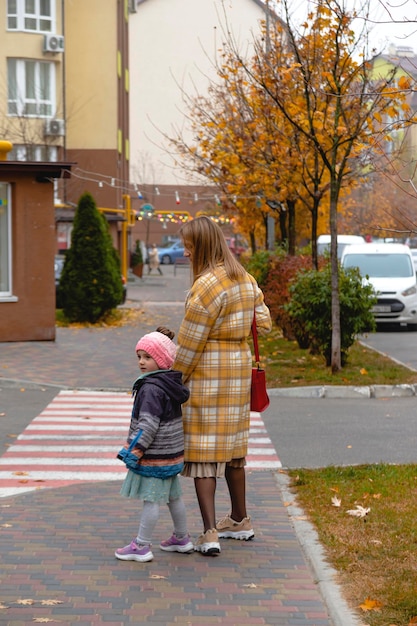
[{"x": 259, "y": 400}]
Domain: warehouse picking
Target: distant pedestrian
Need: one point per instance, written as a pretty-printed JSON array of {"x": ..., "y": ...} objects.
[
  {"x": 157, "y": 416},
  {"x": 154, "y": 263}
]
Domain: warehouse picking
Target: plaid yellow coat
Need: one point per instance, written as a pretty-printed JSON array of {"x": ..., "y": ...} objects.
[{"x": 215, "y": 359}]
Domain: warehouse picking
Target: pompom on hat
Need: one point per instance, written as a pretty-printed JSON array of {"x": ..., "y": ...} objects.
[{"x": 160, "y": 347}]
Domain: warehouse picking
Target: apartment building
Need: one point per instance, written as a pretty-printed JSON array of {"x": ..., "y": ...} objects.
[
  {"x": 96, "y": 82},
  {"x": 64, "y": 95}
]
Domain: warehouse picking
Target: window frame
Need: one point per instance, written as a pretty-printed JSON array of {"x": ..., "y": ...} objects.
[
  {"x": 19, "y": 102},
  {"x": 6, "y": 290},
  {"x": 18, "y": 16}
]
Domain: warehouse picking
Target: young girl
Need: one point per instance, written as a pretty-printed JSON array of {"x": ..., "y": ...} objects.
[{"x": 158, "y": 394}]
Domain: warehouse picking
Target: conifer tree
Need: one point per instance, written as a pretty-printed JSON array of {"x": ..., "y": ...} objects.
[{"x": 91, "y": 283}]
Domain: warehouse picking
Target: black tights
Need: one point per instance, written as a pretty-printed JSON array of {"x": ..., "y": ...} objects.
[{"x": 206, "y": 490}]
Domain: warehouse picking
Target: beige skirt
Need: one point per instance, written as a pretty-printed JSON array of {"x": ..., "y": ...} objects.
[{"x": 210, "y": 470}]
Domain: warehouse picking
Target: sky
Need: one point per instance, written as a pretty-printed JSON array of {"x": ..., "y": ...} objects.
[{"x": 392, "y": 21}]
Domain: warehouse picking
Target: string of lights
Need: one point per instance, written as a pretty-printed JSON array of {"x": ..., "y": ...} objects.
[{"x": 141, "y": 191}]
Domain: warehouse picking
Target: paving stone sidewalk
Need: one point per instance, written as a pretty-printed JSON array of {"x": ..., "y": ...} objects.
[{"x": 58, "y": 564}]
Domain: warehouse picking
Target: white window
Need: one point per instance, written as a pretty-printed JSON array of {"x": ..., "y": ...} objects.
[
  {"x": 33, "y": 152},
  {"x": 31, "y": 15},
  {"x": 31, "y": 88},
  {"x": 5, "y": 242}
]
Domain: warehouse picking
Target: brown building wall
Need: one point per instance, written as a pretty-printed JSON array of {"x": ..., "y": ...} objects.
[{"x": 32, "y": 316}]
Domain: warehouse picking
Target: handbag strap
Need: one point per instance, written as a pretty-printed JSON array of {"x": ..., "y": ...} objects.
[{"x": 255, "y": 339}]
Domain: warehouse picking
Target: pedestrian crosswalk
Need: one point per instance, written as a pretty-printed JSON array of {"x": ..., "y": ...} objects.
[{"x": 76, "y": 439}]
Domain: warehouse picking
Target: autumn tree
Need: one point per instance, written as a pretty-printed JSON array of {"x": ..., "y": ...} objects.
[
  {"x": 337, "y": 107},
  {"x": 305, "y": 110}
]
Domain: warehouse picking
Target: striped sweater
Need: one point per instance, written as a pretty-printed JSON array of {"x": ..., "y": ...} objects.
[{"x": 157, "y": 413}]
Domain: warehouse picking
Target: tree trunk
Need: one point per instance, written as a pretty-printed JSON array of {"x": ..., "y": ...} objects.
[
  {"x": 291, "y": 227},
  {"x": 336, "y": 362}
]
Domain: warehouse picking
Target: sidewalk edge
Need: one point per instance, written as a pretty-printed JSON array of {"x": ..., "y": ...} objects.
[{"x": 324, "y": 574}]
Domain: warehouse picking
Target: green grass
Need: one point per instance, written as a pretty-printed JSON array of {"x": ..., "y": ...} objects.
[
  {"x": 375, "y": 556},
  {"x": 287, "y": 365}
]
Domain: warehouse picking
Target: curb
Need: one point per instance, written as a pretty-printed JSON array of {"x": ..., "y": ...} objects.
[
  {"x": 324, "y": 574},
  {"x": 340, "y": 391},
  {"x": 319, "y": 391}
]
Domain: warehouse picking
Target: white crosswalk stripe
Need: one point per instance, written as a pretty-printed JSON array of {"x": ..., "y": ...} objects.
[{"x": 76, "y": 439}]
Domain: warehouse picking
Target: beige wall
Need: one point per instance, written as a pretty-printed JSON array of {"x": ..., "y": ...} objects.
[
  {"x": 172, "y": 46},
  {"x": 91, "y": 74},
  {"x": 28, "y": 46}
]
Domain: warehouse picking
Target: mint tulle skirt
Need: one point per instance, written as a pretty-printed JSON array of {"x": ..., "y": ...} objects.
[{"x": 151, "y": 489}]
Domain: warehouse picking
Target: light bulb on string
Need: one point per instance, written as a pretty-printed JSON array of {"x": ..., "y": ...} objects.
[{"x": 177, "y": 198}]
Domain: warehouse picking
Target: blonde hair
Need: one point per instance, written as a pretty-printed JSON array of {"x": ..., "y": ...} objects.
[{"x": 208, "y": 248}]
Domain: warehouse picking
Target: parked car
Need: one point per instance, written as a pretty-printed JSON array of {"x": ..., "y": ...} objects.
[
  {"x": 170, "y": 251},
  {"x": 236, "y": 245},
  {"x": 323, "y": 243},
  {"x": 389, "y": 268},
  {"x": 59, "y": 266},
  {"x": 414, "y": 255}
]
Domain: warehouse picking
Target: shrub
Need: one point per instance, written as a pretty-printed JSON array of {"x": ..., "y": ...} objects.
[
  {"x": 258, "y": 265},
  {"x": 310, "y": 309},
  {"x": 137, "y": 256},
  {"x": 281, "y": 271},
  {"x": 91, "y": 283}
]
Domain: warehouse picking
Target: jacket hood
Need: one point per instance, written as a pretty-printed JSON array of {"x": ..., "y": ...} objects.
[{"x": 170, "y": 381}]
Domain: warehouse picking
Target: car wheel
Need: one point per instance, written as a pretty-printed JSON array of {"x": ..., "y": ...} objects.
[{"x": 166, "y": 259}]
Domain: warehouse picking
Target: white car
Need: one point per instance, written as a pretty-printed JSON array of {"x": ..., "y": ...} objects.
[
  {"x": 390, "y": 270},
  {"x": 414, "y": 255},
  {"x": 323, "y": 243}
]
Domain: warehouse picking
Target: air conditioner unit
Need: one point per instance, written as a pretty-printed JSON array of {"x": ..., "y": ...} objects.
[
  {"x": 53, "y": 43},
  {"x": 54, "y": 128}
]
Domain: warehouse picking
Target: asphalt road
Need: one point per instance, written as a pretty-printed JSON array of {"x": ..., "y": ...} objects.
[
  {"x": 320, "y": 432},
  {"x": 398, "y": 344}
]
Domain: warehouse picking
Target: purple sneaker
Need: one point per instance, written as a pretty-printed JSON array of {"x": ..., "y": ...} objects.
[
  {"x": 173, "y": 544},
  {"x": 133, "y": 552}
]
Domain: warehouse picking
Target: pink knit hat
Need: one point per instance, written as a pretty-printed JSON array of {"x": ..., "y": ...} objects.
[{"x": 161, "y": 348}]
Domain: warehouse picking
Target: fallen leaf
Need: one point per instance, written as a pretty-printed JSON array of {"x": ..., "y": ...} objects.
[
  {"x": 2, "y": 414},
  {"x": 41, "y": 620},
  {"x": 360, "y": 511},
  {"x": 3, "y": 606},
  {"x": 349, "y": 446},
  {"x": 289, "y": 503},
  {"x": 20, "y": 473},
  {"x": 156, "y": 576},
  {"x": 371, "y": 605},
  {"x": 335, "y": 489},
  {"x": 51, "y": 602},
  {"x": 336, "y": 501},
  {"x": 412, "y": 621},
  {"x": 363, "y": 371},
  {"x": 7, "y": 525},
  {"x": 22, "y": 389},
  {"x": 26, "y": 601},
  {"x": 251, "y": 586}
]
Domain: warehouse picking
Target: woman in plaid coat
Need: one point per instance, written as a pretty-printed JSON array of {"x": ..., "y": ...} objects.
[{"x": 216, "y": 362}]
